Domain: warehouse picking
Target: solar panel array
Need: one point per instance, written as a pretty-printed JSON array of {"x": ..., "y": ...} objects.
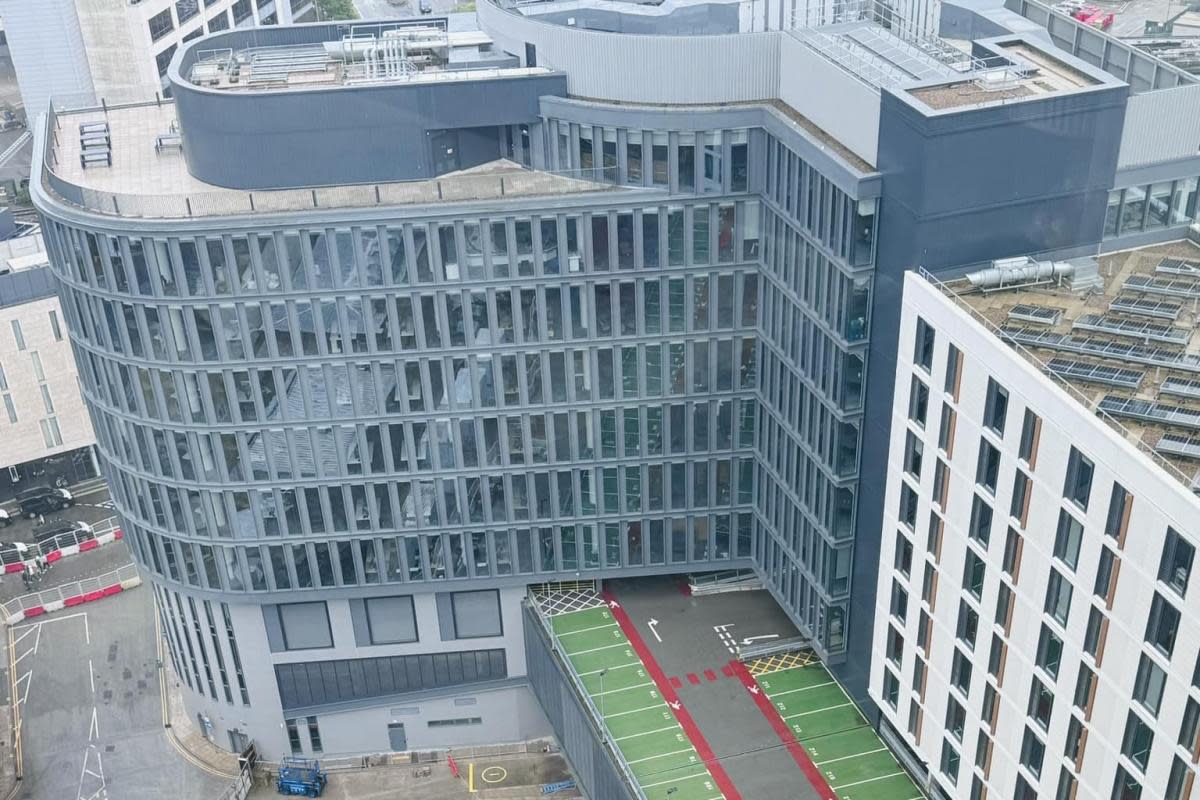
[
  {"x": 1171, "y": 287},
  {"x": 1038, "y": 315},
  {"x": 1151, "y": 411},
  {"x": 1145, "y": 307},
  {"x": 1177, "y": 266},
  {"x": 1180, "y": 387},
  {"x": 1174, "y": 444},
  {"x": 1096, "y": 373},
  {"x": 1134, "y": 328},
  {"x": 1102, "y": 348}
]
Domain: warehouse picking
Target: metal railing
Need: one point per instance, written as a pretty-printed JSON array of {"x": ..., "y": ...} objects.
[
  {"x": 577, "y": 683},
  {"x": 1057, "y": 379},
  {"x": 774, "y": 648},
  {"x": 461, "y": 187},
  {"x": 61, "y": 593},
  {"x": 241, "y": 786}
]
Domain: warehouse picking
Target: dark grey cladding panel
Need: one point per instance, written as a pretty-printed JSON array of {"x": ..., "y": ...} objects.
[
  {"x": 360, "y": 134},
  {"x": 340, "y": 681},
  {"x": 26, "y": 286}
]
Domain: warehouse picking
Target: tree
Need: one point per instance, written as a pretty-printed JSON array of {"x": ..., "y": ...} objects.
[{"x": 336, "y": 9}]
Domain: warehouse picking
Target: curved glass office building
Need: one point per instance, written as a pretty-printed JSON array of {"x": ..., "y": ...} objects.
[{"x": 380, "y": 324}]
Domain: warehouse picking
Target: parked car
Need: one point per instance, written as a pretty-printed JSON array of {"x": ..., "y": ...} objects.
[
  {"x": 43, "y": 500},
  {"x": 426, "y": 6},
  {"x": 76, "y": 531},
  {"x": 5, "y": 518}
]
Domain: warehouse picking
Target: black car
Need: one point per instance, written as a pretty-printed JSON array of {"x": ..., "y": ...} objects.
[{"x": 43, "y": 500}]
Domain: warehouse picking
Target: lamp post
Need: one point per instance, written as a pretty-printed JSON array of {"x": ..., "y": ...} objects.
[{"x": 603, "y": 672}]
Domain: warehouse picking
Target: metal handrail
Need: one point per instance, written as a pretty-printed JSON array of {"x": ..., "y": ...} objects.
[{"x": 68, "y": 590}]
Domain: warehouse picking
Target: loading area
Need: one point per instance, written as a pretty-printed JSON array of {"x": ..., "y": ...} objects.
[{"x": 690, "y": 720}]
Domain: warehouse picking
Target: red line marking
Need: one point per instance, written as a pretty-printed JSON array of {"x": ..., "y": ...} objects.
[
  {"x": 727, "y": 671},
  {"x": 799, "y": 755},
  {"x": 719, "y": 775},
  {"x": 693, "y": 679},
  {"x": 710, "y": 675},
  {"x": 676, "y": 683},
  {"x": 685, "y": 587}
]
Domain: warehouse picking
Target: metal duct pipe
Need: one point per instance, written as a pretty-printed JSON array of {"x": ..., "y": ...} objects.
[{"x": 1030, "y": 272}]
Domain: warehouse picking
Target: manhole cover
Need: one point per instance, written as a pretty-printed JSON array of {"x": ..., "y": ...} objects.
[
  {"x": 108, "y": 694},
  {"x": 110, "y": 748}
]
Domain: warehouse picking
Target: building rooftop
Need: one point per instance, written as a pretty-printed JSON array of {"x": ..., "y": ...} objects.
[
  {"x": 400, "y": 52},
  {"x": 148, "y": 175},
  {"x": 1125, "y": 346}
]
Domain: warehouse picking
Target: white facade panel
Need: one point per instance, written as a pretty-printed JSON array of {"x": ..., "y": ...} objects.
[
  {"x": 1159, "y": 502},
  {"x": 1161, "y": 126}
]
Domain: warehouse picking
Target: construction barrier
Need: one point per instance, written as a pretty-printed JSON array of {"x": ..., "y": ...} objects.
[
  {"x": 70, "y": 595},
  {"x": 104, "y": 532}
]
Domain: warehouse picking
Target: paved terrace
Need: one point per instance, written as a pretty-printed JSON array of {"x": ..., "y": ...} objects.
[
  {"x": 692, "y": 722},
  {"x": 147, "y": 181}
]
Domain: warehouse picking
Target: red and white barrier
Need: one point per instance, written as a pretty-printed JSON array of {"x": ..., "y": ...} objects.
[
  {"x": 70, "y": 550},
  {"x": 71, "y": 595}
]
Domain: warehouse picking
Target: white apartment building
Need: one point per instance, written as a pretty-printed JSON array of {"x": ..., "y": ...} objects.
[
  {"x": 1035, "y": 632},
  {"x": 117, "y": 49},
  {"x": 45, "y": 432}
]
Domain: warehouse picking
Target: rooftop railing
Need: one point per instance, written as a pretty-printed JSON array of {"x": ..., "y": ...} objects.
[{"x": 460, "y": 187}]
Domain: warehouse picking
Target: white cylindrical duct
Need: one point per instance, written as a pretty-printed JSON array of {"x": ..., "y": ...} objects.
[{"x": 1030, "y": 272}]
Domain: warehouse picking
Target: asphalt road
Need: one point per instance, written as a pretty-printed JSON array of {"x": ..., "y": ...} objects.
[
  {"x": 396, "y": 9},
  {"x": 92, "y": 714}
]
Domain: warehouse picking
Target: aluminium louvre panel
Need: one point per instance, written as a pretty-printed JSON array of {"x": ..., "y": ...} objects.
[
  {"x": 1171, "y": 287},
  {"x": 1178, "y": 266},
  {"x": 1180, "y": 387},
  {"x": 1146, "y": 307},
  {"x": 1102, "y": 348},
  {"x": 1133, "y": 328},
  {"x": 1150, "y": 411},
  {"x": 1096, "y": 373},
  {"x": 1038, "y": 315},
  {"x": 1174, "y": 444}
]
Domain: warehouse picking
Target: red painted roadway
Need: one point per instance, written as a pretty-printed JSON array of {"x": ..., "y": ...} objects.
[
  {"x": 799, "y": 755},
  {"x": 665, "y": 689}
]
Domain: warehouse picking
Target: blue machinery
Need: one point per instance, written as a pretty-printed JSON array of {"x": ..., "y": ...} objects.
[{"x": 301, "y": 776}]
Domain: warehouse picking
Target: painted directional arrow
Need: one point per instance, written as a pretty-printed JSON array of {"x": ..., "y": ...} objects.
[
  {"x": 675, "y": 704},
  {"x": 753, "y": 689},
  {"x": 613, "y": 604},
  {"x": 751, "y": 639},
  {"x": 653, "y": 623}
]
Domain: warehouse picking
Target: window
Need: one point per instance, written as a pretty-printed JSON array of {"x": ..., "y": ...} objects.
[
  {"x": 1178, "y": 780},
  {"x": 997, "y": 655},
  {"x": 186, "y": 9},
  {"x": 390, "y": 620},
  {"x": 899, "y": 606},
  {"x": 968, "y": 624},
  {"x": 476, "y": 614},
  {"x": 987, "y": 470},
  {"x": 973, "y": 574},
  {"x": 914, "y": 448},
  {"x": 1075, "y": 739},
  {"x": 18, "y": 336},
  {"x": 1163, "y": 625},
  {"x": 908, "y": 505},
  {"x": 995, "y": 410},
  {"x": 297, "y": 626},
  {"x": 946, "y": 429},
  {"x": 454, "y": 723},
  {"x": 1066, "y": 785},
  {"x": 1058, "y": 597},
  {"x": 960, "y": 671},
  {"x": 981, "y": 521},
  {"x": 1189, "y": 728},
  {"x": 1078, "y": 486},
  {"x": 1148, "y": 688},
  {"x": 954, "y": 363},
  {"x": 929, "y": 584},
  {"x": 923, "y": 351},
  {"x": 1138, "y": 739},
  {"x": 891, "y": 687},
  {"x": 956, "y": 718},
  {"x": 1004, "y": 606},
  {"x": 1119, "y": 506},
  {"x": 918, "y": 401},
  {"x": 1095, "y": 633},
  {"x": 949, "y": 762},
  {"x": 1085, "y": 687},
  {"x": 1032, "y": 752},
  {"x": 293, "y": 733},
  {"x": 161, "y": 24},
  {"x": 1041, "y": 703},
  {"x": 895, "y": 645},
  {"x": 1023, "y": 790},
  {"x": 1022, "y": 488},
  {"x": 1011, "y": 564},
  {"x": 1031, "y": 430},
  {"x": 1175, "y": 567},
  {"x": 55, "y": 329},
  {"x": 941, "y": 483},
  {"x": 1125, "y": 786},
  {"x": 314, "y": 735},
  {"x": 1106, "y": 575},
  {"x": 1068, "y": 539},
  {"x": 904, "y": 552},
  {"x": 1049, "y": 652}
]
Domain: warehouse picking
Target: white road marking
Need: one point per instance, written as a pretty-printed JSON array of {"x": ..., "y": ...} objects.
[
  {"x": 661, "y": 755},
  {"x": 653, "y": 625},
  {"x": 646, "y": 733},
  {"x": 94, "y": 729},
  {"x": 626, "y": 689},
  {"x": 855, "y": 755},
  {"x": 585, "y": 630},
  {"x": 51, "y": 619},
  {"x": 607, "y": 669},
  {"x": 28, "y": 631},
  {"x": 632, "y": 711},
  {"x": 868, "y": 780},
  {"x": 802, "y": 689},
  {"x": 703, "y": 774},
  {"x": 92, "y": 676},
  {"x": 37, "y": 640},
  {"x": 751, "y": 639},
  {"x": 596, "y": 649},
  {"x": 816, "y": 710}
]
